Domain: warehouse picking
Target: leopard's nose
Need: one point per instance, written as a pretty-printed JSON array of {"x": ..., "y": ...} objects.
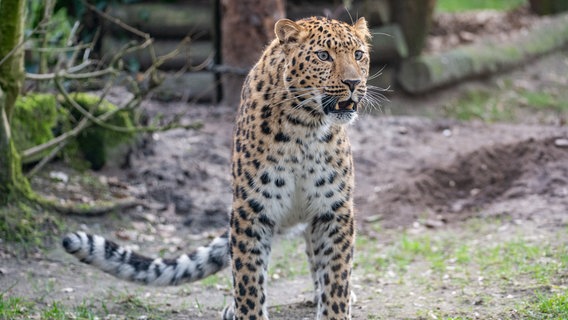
[{"x": 351, "y": 84}]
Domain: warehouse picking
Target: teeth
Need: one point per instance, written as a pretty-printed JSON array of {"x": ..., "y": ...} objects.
[
  {"x": 350, "y": 106},
  {"x": 337, "y": 106}
]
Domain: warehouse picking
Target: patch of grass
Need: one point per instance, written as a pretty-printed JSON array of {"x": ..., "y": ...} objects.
[
  {"x": 505, "y": 105},
  {"x": 458, "y": 5},
  {"x": 20, "y": 308},
  {"x": 513, "y": 259},
  {"x": 542, "y": 100},
  {"x": 291, "y": 262},
  {"x": 216, "y": 280},
  {"x": 54, "y": 311},
  {"x": 14, "y": 307},
  {"x": 482, "y": 105},
  {"x": 547, "y": 307}
]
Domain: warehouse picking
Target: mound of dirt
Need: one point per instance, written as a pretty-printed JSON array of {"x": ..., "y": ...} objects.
[{"x": 478, "y": 179}]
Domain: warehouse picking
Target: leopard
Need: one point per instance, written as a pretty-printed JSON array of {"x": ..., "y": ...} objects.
[{"x": 291, "y": 167}]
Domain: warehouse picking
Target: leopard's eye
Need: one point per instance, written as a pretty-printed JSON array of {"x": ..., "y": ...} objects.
[
  {"x": 323, "y": 55},
  {"x": 358, "y": 55}
]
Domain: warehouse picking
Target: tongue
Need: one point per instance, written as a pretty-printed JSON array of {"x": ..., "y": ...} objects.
[{"x": 347, "y": 105}]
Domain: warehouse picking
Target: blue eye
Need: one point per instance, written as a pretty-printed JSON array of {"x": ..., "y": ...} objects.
[
  {"x": 323, "y": 55},
  {"x": 358, "y": 55}
]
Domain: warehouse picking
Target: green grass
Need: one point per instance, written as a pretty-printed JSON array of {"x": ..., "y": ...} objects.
[
  {"x": 20, "y": 308},
  {"x": 434, "y": 261},
  {"x": 14, "y": 307},
  {"x": 547, "y": 306},
  {"x": 481, "y": 105},
  {"x": 216, "y": 280},
  {"x": 292, "y": 250},
  {"x": 508, "y": 261},
  {"x": 542, "y": 100},
  {"x": 459, "y": 5},
  {"x": 506, "y": 105}
]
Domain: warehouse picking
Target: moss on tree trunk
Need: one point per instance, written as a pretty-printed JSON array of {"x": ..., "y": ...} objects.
[{"x": 12, "y": 182}]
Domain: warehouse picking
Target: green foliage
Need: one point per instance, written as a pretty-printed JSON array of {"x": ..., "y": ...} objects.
[
  {"x": 57, "y": 31},
  {"x": 459, "y": 5},
  {"x": 96, "y": 142}
]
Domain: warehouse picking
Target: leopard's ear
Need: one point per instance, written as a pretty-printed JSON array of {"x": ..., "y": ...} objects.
[
  {"x": 362, "y": 30},
  {"x": 287, "y": 30}
]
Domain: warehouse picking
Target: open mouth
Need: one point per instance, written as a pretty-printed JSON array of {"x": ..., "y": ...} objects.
[{"x": 341, "y": 107}]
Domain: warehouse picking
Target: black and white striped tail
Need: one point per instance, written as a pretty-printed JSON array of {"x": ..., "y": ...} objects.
[{"x": 126, "y": 264}]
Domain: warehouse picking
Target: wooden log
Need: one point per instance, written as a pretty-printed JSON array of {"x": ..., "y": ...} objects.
[
  {"x": 190, "y": 53},
  {"x": 388, "y": 44},
  {"x": 545, "y": 7},
  {"x": 423, "y": 73},
  {"x": 164, "y": 20}
]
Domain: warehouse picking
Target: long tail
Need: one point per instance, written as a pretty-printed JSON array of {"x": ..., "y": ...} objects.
[{"x": 126, "y": 264}]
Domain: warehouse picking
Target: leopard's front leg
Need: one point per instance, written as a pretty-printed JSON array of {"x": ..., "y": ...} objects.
[
  {"x": 333, "y": 236},
  {"x": 251, "y": 237}
]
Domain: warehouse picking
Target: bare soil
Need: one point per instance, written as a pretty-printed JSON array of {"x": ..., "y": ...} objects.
[{"x": 414, "y": 174}]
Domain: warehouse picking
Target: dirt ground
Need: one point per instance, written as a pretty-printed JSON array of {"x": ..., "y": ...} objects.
[{"x": 417, "y": 173}]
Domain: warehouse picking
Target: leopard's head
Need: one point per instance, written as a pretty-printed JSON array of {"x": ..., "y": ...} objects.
[{"x": 327, "y": 65}]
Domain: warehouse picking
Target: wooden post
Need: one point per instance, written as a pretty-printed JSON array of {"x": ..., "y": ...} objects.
[{"x": 414, "y": 17}]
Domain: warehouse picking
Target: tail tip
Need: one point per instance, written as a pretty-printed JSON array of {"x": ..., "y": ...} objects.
[{"x": 72, "y": 242}]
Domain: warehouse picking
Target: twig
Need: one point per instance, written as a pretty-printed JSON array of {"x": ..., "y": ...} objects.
[
  {"x": 67, "y": 75},
  {"x": 105, "y": 125},
  {"x": 46, "y": 159},
  {"x": 117, "y": 21},
  {"x": 62, "y": 49},
  {"x": 28, "y": 153}
]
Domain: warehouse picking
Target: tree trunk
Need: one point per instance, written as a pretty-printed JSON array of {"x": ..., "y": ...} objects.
[
  {"x": 11, "y": 79},
  {"x": 246, "y": 28}
]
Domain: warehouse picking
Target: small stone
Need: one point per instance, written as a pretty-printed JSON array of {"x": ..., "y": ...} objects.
[
  {"x": 402, "y": 130},
  {"x": 433, "y": 224},
  {"x": 373, "y": 218},
  {"x": 561, "y": 143},
  {"x": 59, "y": 176}
]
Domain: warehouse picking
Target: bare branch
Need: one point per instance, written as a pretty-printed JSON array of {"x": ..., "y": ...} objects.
[
  {"x": 46, "y": 159},
  {"x": 117, "y": 21}
]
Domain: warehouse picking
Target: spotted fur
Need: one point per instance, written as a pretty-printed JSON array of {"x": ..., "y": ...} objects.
[{"x": 291, "y": 166}]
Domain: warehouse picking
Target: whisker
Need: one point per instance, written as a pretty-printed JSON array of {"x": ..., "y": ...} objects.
[{"x": 377, "y": 74}]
